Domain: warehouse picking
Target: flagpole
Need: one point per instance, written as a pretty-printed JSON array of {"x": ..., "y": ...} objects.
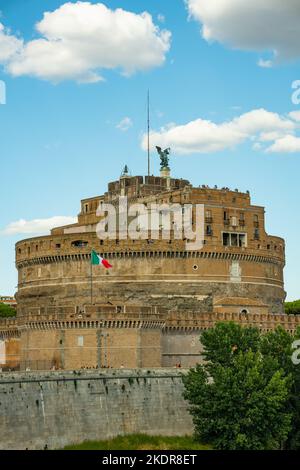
[
  {"x": 91, "y": 279},
  {"x": 148, "y": 130}
]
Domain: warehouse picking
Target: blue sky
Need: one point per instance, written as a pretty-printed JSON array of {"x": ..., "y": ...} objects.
[{"x": 60, "y": 141}]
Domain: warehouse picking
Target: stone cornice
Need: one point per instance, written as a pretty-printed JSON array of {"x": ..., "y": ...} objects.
[{"x": 226, "y": 255}]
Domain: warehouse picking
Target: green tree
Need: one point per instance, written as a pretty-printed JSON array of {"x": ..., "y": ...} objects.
[
  {"x": 223, "y": 342},
  {"x": 6, "y": 311},
  {"x": 240, "y": 397},
  {"x": 278, "y": 344},
  {"x": 242, "y": 406},
  {"x": 292, "y": 308}
]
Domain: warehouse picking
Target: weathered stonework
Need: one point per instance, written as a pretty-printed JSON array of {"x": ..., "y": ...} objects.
[{"x": 57, "y": 409}]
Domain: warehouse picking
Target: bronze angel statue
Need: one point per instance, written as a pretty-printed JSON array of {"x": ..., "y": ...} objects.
[{"x": 164, "y": 156}]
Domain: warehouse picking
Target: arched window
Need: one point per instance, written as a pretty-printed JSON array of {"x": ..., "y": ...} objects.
[{"x": 244, "y": 311}]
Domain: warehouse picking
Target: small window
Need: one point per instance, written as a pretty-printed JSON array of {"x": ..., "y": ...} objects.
[
  {"x": 208, "y": 216},
  {"x": 244, "y": 311},
  {"x": 226, "y": 239},
  {"x": 57, "y": 245},
  {"x": 86, "y": 208},
  {"x": 234, "y": 239},
  {"x": 209, "y": 230},
  {"x": 80, "y": 341},
  {"x": 242, "y": 240},
  {"x": 79, "y": 244}
]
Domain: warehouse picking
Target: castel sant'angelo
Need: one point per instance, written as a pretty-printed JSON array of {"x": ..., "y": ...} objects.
[{"x": 149, "y": 309}]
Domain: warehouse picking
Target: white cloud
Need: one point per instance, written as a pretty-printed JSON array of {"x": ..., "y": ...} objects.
[
  {"x": 36, "y": 225},
  {"x": 9, "y": 44},
  {"x": 203, "y": 136},
  {"x": 267, "y": 64},
  {"x": 161, "y": 18},
  {"x": 285, "y": 144},
  {"x": 80, "y": 40},
  {"x": 125, "y": 124},
  {"x": 258, "y": 25},
  {"x": 295, "y": 115}
]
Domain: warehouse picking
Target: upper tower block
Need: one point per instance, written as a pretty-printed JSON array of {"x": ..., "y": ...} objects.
[{"x": 139, "y": 186}]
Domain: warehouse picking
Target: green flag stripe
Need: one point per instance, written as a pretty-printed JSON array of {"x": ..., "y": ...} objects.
[{"x": 94, "y": 258}]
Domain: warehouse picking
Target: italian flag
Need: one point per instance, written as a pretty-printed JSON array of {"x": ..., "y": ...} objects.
[{"x": 97, "y": 259}]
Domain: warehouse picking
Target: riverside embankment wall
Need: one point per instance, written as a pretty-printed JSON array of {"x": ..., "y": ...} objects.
[{"x": 54, "y": 409}]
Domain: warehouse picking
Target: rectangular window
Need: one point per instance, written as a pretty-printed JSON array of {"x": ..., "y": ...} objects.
[
  {"x": 208, "y": 216},
  {"x": 242, "y": 240},
  {"x": 226, "y": 239},
  {"x": 80, "y": 341},
  {"x": 234, "y": 239}
]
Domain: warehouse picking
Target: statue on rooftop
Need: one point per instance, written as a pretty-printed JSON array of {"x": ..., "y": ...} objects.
[
  {"x": 125, "y": 171},
  {"x": 164, "y": 157}
]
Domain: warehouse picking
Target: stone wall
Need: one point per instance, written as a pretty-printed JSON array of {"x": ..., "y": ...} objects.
[
  {"x": 57, "y": 409},
  {"x": 118, "y": 336}
]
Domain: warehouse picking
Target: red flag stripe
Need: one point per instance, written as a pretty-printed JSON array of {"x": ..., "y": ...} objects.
[{"x": 106, "y": 264}]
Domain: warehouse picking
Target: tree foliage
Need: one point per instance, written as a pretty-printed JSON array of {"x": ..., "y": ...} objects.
[
  {"x": 6, "y": 311},
  {"x": 292, "y": 308},
  {"x": 247, "y": 393}
]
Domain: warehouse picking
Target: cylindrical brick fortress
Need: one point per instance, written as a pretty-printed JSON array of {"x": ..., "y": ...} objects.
[{"x": 238, "y": 259}]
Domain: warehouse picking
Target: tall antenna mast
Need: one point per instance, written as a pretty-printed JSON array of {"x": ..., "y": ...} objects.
[{"x": 148, "y": 129}]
